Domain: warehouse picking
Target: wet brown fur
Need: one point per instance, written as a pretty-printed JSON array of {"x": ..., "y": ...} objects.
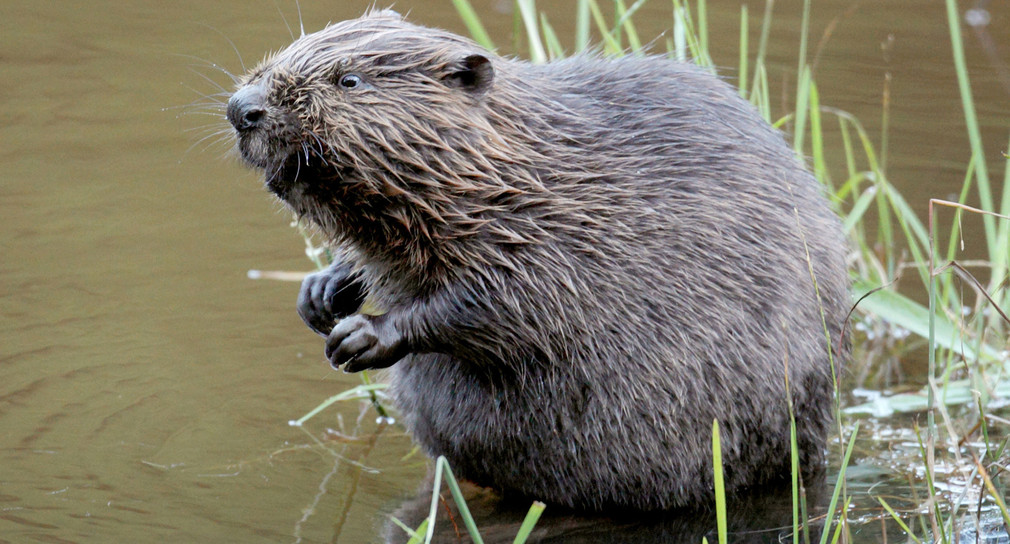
[{"x": 590, "y": 260}]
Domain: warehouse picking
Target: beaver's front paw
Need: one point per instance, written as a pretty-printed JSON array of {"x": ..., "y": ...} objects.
[
  {"x": 329, "y": 295},
  {"x": 361, "y": 342}
]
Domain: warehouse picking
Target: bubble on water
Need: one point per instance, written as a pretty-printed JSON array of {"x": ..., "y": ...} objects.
[
  {"x": 384, "y": 420},
  {"x": 977, "y": 17},
  {"x": 294, "y": 423}
]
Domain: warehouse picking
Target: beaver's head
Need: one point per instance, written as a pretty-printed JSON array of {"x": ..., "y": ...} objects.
[{"x": 369, "y": 114}]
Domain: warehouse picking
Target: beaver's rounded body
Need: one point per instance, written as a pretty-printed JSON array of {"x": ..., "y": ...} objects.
[{"x": 583, "y": 263}]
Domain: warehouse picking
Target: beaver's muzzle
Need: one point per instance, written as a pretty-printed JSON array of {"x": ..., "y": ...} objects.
[{"x": 247, "y": 108}]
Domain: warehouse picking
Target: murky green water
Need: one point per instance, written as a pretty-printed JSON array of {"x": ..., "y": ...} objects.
[{"x": 145, "y": 383}]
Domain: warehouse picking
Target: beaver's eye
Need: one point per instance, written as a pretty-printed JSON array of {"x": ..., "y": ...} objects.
[{"x": 350, "y": 81}]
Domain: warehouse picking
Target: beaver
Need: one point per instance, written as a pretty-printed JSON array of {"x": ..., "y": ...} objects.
[{"x": 581, "y": 264}]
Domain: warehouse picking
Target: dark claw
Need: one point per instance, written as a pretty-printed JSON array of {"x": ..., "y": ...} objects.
[{"x": 328, "y": 296}]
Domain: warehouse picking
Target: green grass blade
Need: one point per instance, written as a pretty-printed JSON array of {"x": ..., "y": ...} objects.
[
  {"x": 839, "y": 484},
  {"x": 859, "y": 207},
  {"x": 898, "y": 520},
  {"x": 802, "y": 63},
  {"x": 582, "y": 26},
  {"x": 915, "y": 233},
  {"x": 433, "y": 509},
  {"x": 554, "y": 48},
  {"x": 717, "y": 480},
  {"x": 841, "y": 525},
  {"x": 416, "y": 536},
  {"x": 759, "y": 94},
  {"x": 703, "y": 28},
  {"x": 611, "y": 45},
  {"x": 909, "y": 314},
  {"x": 457, "y": 495},
  {"x": 936, "y": 514},
  {"x": 624, "y": 22},
  {"x": 885, "y": 121},
  {"x": 885, "y": 231},
  {"x": 996, "y": 495},
  {"x": 850, "y": 157},
  {"x": 873, "y": 165},
  {"x": 931, "y": 372},
  {"x": 794, "y": 466},
  {"x": 820, "y": 163},
  {"x": 680, "y": 32},
  {"x": 536, "y": 509},
  {"x": 373, "y": 395},
  {"x": 1001, "y": 259},
  {"x": 359, "y": 392},
  {"x": 955, "y": 225},
  {"x": 528, "y": 12},
  {"x": 444, "y": 473},
  {"x": 802, "y": 104},
  {"x": 766, "y": 26},
  {"x": 689, "y": 47},
  {"x": 744, "y": 37},
  {"x": 473, "y": 24},
  {"x": 971, "y": 120}
]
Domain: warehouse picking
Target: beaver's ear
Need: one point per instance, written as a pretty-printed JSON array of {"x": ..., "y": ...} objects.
[{"x": 473, "y": 74}]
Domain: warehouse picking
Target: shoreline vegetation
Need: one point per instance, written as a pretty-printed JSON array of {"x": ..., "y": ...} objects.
[{"x": 962, "y": 330}]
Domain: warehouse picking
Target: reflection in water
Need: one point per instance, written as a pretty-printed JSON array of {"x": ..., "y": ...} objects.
[
  {"x": 765, "y": 516},
  {"x": 340, "y": 461}
]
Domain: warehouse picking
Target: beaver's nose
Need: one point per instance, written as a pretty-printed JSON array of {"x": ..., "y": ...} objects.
[{"x": 247, "y": 108}]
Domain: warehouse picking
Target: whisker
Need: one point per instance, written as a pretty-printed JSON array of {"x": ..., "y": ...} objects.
[
  {"x": 220, "y": 139},
  {"x": 319, "y": 142},
  {"x": 301, "y": 21},
  {"x": 217, "y": 115},
  {"x": 204, "y": 63},
  {"x": 234, "y": 48},
  {"x": 201, "y": 105},
  {"x": 285, "y": 19},
  {"x": 212, "y": 128},
  {"x": 219, "y": 135},
  {"x": 214, "y": 102},
  {"x": 204, "y": 108},
  {"x": 277, "y": 172},
  {"x": 210, "y": 80}
]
